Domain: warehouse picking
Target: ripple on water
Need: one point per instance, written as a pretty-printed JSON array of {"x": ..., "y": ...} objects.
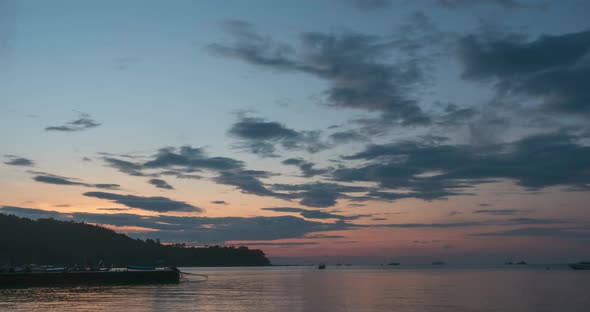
[{"x": 345, "y": 289}]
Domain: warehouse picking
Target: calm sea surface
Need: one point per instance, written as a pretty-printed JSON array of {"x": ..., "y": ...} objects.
[{"x": 427, "y": 288}]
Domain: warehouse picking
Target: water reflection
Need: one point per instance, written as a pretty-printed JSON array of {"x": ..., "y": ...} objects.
[{"x": 308, "y": 289}]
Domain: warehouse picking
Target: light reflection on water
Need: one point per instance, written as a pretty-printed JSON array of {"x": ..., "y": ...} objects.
[{"x": 332, "y": 290}]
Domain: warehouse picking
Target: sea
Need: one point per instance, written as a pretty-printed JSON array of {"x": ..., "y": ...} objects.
[{"x": 445, "y": 288}]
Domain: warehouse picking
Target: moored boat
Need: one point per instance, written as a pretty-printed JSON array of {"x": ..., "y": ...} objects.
[
  {"x": 580, "y": 266},
  {"x": 120, "y": 276}
]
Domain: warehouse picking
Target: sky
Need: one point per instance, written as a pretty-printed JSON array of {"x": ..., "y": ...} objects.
[{"x": 340, "y": 131}]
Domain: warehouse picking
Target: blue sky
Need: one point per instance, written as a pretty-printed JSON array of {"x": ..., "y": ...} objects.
[{"x": 367, "y": 129}]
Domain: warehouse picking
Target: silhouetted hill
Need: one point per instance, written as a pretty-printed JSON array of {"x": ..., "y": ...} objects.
[{"x": 49, "y": 241}]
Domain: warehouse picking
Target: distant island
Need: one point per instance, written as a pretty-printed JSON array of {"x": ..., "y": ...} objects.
[{"x": 53, "y": 242}]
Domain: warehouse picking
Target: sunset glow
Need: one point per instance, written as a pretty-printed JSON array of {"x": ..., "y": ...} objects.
[{"x": 332, "y": 131}]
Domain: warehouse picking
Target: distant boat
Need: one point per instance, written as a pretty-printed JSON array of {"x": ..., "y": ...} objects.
[
  {"x": 521, "y": 262},
  {"x": 580, "y": 266},
  {"x": 394, "y": 263},
  {"x": 321, "y": 266},
  {"x": 438, "y": 263}
]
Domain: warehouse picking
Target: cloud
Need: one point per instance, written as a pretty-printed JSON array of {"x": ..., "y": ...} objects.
[
  {"x": 158, "y": 204},
  {"x": 320, "y": 195},
  {"x": 307, "y": 168},
  {"x": 14, "y": 160},
  {"x": 179, "y": 174},
  {"x": 348, "y": 136},
  {"x": 138, "y": 169},
  {"x": 534, "y": 221},
  {"x": 465, "y": 3},
  {"x": 314, "y": 214},
  {"x": 113, "y": 209},
  {"x": 357, "y": 67},
  {"x": 499, "y": 212},
  {"x": 373, "y": 5},
  {"x": 431, "y": 225},
  {"x": 248, "y": 182},
  {"x": 368, "y": 5},
  {"x": 433, "y": 171},
  {"x": 540, "y": 231},
  {"x": 32, "y": 213},
  {"x": 124, "y": 166},
  {"x": 159, "y": 183},
  {"x": 180, "y": 162},
  {"x": 279, "y": 243},
  {"x": 454, "y": 115},
  {"x": 106, "y": 186},
  {"x": 220, "y": 202},
  {"x": 197, "y": 230},
  {"x": 207, "y": 230},
  {"x": 58, "y": 180},
  {"x": 323, "y": 236},
  {"x": 551, "y": 68},
  {"x": 283, "y": 209},
  {"x": 259, "y": 137},
  {"x": 426, "y": 170},
  {"x": 191, "y": 158},
  {"x": 84, "y": 122},
  {"x": 426, "y": 242}
]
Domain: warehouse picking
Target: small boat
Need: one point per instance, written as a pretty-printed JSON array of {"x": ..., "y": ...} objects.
[
  {"x": 580, "y": 266},
  {"x": 438, "y": 263},
  {"x": 393, "y": 263},
  {"x": 321, "y": 266},
  {"x": 115, "y": 276},
  {"x": 521, "y": 263}
]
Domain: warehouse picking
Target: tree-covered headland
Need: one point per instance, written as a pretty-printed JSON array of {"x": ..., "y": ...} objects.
[{"x": 66, "y": 243}]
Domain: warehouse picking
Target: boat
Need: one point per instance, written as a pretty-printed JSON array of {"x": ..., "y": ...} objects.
[
  {"x": 321, "y": 266},
  {"x": 580, "y": 266},
  {"x": 521, "y": 263},
  {"x": 438, "y": 263},
  {"x": 112, "y": 276},
  {"x": 393, "y": 263}
]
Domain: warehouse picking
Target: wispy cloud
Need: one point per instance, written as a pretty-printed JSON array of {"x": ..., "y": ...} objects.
[
  {"x": 84, "y": 122},
  {"x": 159, "y": 183},
  {"x": 499, "y": 212},
  {"x": 260, "y": 137},
  {"x": 14, "y": 160},
  {"x": 434, "y": 171},
  {"x": 48, "y": 178},
  {"x": 158, "y": 204},
  {"x": 220, "y": 202},
  {"x": 548, "y": 70},
  {"x": 357, "y": 67},
  {"x": 314, "y": 214},
  {"x": 541, "y": 231},
  {"x": 307, "y": 168},
  {"x": 509, "y": 4},
  {"x": 196, "y": 230}
]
